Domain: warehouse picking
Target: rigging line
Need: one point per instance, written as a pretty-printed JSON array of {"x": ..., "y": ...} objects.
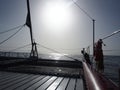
[
  {"x": 11, "y": 29},
  {"x": 19, "y": 47},
  {"x": 57, "y": 52},
  {"x": 12, "y": 35},
  {"x": 115, "y": 32},
  {"x": 72, "y": 49},
  {"x": 82, "y": 10},
  {"x": 111, "y": 50}
]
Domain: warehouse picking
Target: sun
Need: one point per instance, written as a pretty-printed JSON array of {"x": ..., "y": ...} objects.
[{"x": 57, "y": 15}]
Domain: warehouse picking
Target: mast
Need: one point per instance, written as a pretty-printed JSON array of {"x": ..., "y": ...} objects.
[
  {"x": 34, "y": 52},
  {"x": 93, "y": 36}
]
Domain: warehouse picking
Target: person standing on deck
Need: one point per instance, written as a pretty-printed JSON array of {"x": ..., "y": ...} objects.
[
  {"x": 86, "y": 56},
  {"x": 98, "y": 54}
]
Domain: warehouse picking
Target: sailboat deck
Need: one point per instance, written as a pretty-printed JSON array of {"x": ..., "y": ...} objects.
[
  {"x": 20, "y": 81},
  {"x": 41, "y": 75}
]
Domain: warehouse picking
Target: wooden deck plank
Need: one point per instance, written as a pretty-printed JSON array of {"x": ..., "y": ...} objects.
[
  {"x": 21, "y": 83},
  {"x": 79, "y": 84},
  {"x": 55, "y": 84},
  {"x": 63, "y": 84},
  {"x": 39, "y": 83},
  {"x": 9, "y": 76},
  {"x": 32, "y": 82},
  {"x": 6, "y": 77},
  {"x": 71, "y": 85},
  {"x": 14, "y": 78},
  {"x": 46, "y": 84},
  {"x": 6, "y": 74},
  {"x": 8, "y": 84}
]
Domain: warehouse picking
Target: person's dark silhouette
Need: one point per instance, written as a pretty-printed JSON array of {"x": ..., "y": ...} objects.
[
  {"x": 98, "y": 53},
  {"x": 86, "y": 56}
]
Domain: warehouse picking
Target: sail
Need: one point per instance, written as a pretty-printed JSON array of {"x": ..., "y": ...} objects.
[
  {"x": 28, "y": 23},
  {"x": 28, "y": 19}
]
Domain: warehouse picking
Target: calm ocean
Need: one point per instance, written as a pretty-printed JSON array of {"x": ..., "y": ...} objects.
[{"x": 112, "y": 66}]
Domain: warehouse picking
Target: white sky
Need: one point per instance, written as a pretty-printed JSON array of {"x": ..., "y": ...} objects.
[{"x": 69, "y": 33}]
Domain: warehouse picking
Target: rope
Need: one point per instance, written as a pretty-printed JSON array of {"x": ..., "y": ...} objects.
[
  {"x": 71, "y": 49},
  {"x": 58, "y": 52},
  {"x": 19, "y": 48},
  {"x": 10, "y": 29},
  {"x": 111, "y": 50},
  {"x": 12, "y": 35},
  {"x": 82, "y": 10}
]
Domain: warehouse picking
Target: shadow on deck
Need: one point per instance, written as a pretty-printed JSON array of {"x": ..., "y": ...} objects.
[{"x": 42, "y": 66}]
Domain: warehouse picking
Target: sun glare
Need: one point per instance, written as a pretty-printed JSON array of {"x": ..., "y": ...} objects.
[{"x": 56, "y": 15}]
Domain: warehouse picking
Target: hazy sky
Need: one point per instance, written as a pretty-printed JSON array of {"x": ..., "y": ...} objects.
[{"x": 61, "y": 25}]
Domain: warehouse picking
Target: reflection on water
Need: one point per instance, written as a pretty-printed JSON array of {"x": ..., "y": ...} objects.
[{"x": 56, "y": 56}]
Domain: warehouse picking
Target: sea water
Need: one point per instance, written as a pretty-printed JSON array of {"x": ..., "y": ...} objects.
[{"x": 112, "y": 66}]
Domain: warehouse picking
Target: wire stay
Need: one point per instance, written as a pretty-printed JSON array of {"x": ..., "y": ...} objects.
[
  {"x": 19, "y": 47},
  {"x": 12, "y": 35},
  {"x": 10, "y": 29}
]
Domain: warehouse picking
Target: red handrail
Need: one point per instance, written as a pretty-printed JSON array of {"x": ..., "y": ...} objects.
[{"x": 96, "y": 81}]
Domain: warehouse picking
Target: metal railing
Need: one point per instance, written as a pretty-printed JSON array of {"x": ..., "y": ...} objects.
[
  {"x": 95, "y": 80},
  {"x": 14, "y": 54}
]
